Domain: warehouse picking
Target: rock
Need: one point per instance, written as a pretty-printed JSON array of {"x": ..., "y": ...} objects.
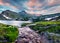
[{"x": 26, "y": 35}]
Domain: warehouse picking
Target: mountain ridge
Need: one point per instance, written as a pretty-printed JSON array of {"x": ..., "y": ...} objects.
[{"x": 10, "y": 15}]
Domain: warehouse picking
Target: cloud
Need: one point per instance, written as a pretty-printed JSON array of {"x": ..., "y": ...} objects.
[
  {"x": 53, "y": 2},
  {"x": 51, "y": 10},
  {"x": 32, "y": 6},
  {"x": 42, "y": 6},
  {"x": 1, "y": 2},
  {"x": 55, "y": 9},
  {"x": 7, "y": 4},
  {"x": 13, "y": 4}
]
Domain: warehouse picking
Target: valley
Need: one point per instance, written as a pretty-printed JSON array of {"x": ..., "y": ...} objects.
[{"x": 26, "y": 28}]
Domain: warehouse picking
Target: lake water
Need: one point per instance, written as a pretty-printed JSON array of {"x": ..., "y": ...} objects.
[{"x": 15, "y": 23}]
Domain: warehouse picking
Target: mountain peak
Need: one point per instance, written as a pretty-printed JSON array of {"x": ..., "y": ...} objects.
[
  {"x": 7, "y": 10},
  {"x": 23, "y": 12}
]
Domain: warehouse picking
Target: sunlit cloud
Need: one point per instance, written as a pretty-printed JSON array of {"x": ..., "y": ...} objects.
[
  {"x": 1, "y": 2},
  {"x": 53, "y": 2},
  {"x": 14, "y": 7},
  {"x": 32, "y": 6},
  {"x": 6, "y": 4},
  {"x": 44, "y": 7}
]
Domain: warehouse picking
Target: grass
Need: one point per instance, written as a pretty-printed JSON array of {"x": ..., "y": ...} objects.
[
  {"x": 48, "y": 22},
  {"x": 8, "y": 33},
  {"x": 43, "y": 23},
  {"x": 53, "y": 26}
]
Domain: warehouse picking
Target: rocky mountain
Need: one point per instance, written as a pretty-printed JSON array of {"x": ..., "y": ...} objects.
[
  {"x": 24, "y": 15},
  {"x": 56, "y": 18},
  {"x": 10, "y": 15},
  {"x": 47, "y": 17},
  {"x": 1, "y": 17},
  {"x": 53, "y": 16}
]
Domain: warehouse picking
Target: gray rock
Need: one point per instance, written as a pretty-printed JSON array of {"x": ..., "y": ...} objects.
[{"x": 26, "y": 35}]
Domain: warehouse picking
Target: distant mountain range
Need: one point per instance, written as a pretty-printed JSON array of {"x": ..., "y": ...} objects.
[
  {"x": 10, "y": 15},
  {"x": 50, "y": 16}
]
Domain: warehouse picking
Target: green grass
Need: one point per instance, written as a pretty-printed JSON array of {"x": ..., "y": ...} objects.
[
  {"x": 40, "y": 26},
  {"x": 54, "y": 29},
  {"x": 48, "y": 22},
  {"x": 43, "y": 23},
  {"x": 8, "y": 32}
]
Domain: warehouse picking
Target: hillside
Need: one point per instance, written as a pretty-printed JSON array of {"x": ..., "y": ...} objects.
[
  {"x": 50, "y": 28},
  {"x": 45, "y": 26},
  {"x": 8, "y": 34}
]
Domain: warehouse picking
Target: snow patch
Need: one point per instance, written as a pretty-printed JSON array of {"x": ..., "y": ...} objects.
[{"x": 6, "y": 17}]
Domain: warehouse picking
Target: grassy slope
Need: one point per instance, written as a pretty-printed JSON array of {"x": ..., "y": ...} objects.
[
  {"x": 53, "y": 27},
  {"x": 48, "y": 22},
  {"x": 8, "y": 32},
  {"x": 42, "y": 26}
]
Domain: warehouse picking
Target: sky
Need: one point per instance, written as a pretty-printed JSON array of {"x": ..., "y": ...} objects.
[{"x": 31, "y": 6}]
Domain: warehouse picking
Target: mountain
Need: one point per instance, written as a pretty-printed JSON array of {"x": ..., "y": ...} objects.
[
  {"x": 52, "y": 16},
  {"x": 10, "y": 15},
  {"x": 56, "y": 18},
  {"x": 25, "y": 15},
  {"x": 47, "y": 17},
  {"x": 1, "y": 17}
]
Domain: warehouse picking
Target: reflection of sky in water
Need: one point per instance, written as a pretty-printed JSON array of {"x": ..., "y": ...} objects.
[{"x": 15, "y": 23}]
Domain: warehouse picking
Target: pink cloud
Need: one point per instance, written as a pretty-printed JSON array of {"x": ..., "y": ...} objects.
[
  {"x": 7, "y": 4},
  {"x": 33, "y": 4},
  {"x": 1, "y": 2},
  {"x": 36, "y": 5},
  {"x": 53, "y": 2}
]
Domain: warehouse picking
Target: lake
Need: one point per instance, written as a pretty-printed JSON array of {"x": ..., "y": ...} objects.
[{"x": 15, "y": 23}]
